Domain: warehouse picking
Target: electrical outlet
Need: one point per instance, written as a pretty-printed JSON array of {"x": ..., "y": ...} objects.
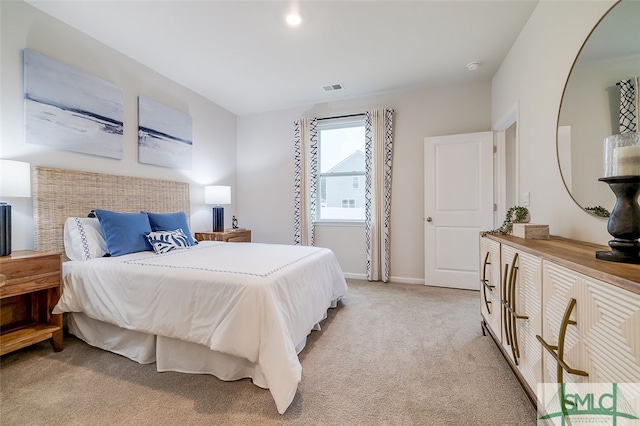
[{"x": 526, "y": 199}]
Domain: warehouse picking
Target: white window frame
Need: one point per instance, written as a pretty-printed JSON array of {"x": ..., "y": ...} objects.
[{"x": 338, "y": 123}]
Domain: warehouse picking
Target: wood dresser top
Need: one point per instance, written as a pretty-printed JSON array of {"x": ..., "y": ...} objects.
[{"x": 579, "y": 256}]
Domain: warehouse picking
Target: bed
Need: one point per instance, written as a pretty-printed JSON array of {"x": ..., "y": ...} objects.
[{"x": 234, "y": 310}]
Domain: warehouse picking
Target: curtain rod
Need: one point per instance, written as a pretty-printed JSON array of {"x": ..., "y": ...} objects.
[{"x": 341, "y": 116}]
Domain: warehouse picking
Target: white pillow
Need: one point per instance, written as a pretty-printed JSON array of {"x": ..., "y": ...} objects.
[{"x": 83, "y": 238}]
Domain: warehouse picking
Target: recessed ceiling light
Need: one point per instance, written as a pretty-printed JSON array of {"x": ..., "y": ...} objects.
[
  {"x": 293, "y": 19},
  {"x": 472, "y": 66}
]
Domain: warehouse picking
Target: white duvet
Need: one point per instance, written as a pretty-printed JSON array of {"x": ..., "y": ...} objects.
[{"x": 254, "y": 301}]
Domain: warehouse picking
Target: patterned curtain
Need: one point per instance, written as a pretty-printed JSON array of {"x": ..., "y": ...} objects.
[
  {"x": 629, "y": 107},
  {"x": 637, "y": 102},
  {"x": 378, "y": 160},
  {"x": 305, "y": 180}
]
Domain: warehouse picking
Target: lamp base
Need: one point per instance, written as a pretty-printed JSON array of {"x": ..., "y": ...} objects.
[
  {"x": 218, "y": 219},
  {"x": 5, "y": 229}
]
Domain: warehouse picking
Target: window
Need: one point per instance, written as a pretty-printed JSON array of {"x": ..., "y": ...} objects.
[
  {"x": 341, "y": 147},
  {"x": 349, "y": 204}
]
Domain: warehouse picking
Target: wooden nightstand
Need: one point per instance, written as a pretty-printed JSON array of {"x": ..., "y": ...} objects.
[
  {"x": 231, "y": 235},
  {"x": 30, "y": 286}
]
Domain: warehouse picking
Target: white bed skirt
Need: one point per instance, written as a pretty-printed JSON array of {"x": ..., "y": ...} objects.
[
  {"x": 135, "y": 345},
  {"x": 169, "y": 354}
]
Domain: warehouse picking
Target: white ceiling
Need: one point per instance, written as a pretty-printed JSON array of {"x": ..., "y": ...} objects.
[{"x": 242, "y": 56}]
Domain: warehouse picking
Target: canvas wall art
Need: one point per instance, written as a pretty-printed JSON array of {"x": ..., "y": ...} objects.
[
  {"x": 68, "y": 109},
  {"x": 164, "y": 135}
]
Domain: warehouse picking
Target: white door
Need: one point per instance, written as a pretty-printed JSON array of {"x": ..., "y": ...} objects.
[{"x": 458, "y": 205}]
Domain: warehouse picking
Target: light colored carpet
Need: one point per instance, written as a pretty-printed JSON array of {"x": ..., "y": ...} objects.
[{"x": 390, "y": 354}]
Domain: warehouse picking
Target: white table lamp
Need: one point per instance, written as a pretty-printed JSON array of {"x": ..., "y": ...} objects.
[{"x": 15, "y": 182}]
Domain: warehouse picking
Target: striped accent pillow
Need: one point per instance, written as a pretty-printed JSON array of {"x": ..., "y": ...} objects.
[{"x": 165, "y": 241}]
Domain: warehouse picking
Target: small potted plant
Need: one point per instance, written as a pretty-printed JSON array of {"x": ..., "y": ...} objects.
[{"x": 515, "y": 214}]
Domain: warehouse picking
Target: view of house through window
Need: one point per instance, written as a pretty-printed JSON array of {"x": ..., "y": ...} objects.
[{"x": 341, "y": 147}]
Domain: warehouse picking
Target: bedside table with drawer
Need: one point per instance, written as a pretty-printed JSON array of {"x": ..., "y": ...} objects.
[
  {"x": 30, "y": 286},
  {"x": 231, "y": 235}
]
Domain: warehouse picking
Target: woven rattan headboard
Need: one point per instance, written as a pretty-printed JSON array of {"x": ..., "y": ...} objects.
[{"x": 59, "y": 194}]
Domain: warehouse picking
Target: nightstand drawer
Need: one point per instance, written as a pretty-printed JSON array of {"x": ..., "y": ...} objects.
[
  {"x": 240, "y": 237},
  {"x": 24, "y": 266},
  {"x": 10, "y": 288},
  {"x": 25, "y": 273},
  {"x": 231, "y": 235}
]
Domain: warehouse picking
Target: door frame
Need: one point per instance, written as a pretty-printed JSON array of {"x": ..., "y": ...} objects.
[{"x": 500, "y": 163}]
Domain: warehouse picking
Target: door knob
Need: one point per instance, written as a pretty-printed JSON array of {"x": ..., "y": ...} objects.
[{"x": 429, "y": 219}]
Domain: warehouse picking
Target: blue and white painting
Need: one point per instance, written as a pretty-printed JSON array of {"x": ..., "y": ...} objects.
[
  {"x": 68, "y": 109},
  {"x": 164, "y": 135}
]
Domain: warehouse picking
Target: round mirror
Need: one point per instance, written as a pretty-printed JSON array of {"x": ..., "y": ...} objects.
[{"x": 590, "y": 107}]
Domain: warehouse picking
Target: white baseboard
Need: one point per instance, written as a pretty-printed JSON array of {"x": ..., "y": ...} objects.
[
  {"x": 405, "y": 280},
  {"x": 355, "y": 276},
  {"x": 399, "y": 280}
]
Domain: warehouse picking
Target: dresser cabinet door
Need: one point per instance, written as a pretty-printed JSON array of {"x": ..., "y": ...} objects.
[
  {"x": 521, "y": 292},
  {"x": 490, "y": 304},
  {"x": 602, "y": 338},
  {"x": 560, "y": 286}
]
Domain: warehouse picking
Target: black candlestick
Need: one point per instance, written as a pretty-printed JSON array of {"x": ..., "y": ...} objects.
[{"x": 624, "y": 221}]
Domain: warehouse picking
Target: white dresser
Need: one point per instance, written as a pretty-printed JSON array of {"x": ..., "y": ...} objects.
[{"x": 557, "y": 313}]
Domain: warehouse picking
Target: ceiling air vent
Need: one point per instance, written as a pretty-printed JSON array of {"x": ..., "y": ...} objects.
[{"x": 333, "y": 87}]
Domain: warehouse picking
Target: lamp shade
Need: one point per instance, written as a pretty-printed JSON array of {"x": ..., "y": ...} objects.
[
  {"x": 217, "y": 194},
  {"x": 15, "y": 179}
]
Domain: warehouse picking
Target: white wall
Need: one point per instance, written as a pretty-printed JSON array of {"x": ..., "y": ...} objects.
[
  {"x": 265, "y": 175},
  {"x": 265, "y": 171},
  {"x": 533, "y": 75},
  {"x": 214, "y": 128}
]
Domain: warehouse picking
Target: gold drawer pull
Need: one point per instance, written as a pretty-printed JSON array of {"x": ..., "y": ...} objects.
[
  {"x": 557, "y": 352},
  {"x": 506, "y": 320},
  {"x": 3, "y": 280},
  {"x": 509, "y": 310},
  {"x": 485, "y": 283}
]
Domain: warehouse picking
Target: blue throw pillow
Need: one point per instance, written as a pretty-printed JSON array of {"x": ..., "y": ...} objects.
[
  {"x": 170, "y": 222},
  {"x": 125, "y": 232}
]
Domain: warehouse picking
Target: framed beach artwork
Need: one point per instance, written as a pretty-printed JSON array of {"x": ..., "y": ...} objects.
[
  {"x": 68, "y": 109},
  {"x": 164, "y": 135}
]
